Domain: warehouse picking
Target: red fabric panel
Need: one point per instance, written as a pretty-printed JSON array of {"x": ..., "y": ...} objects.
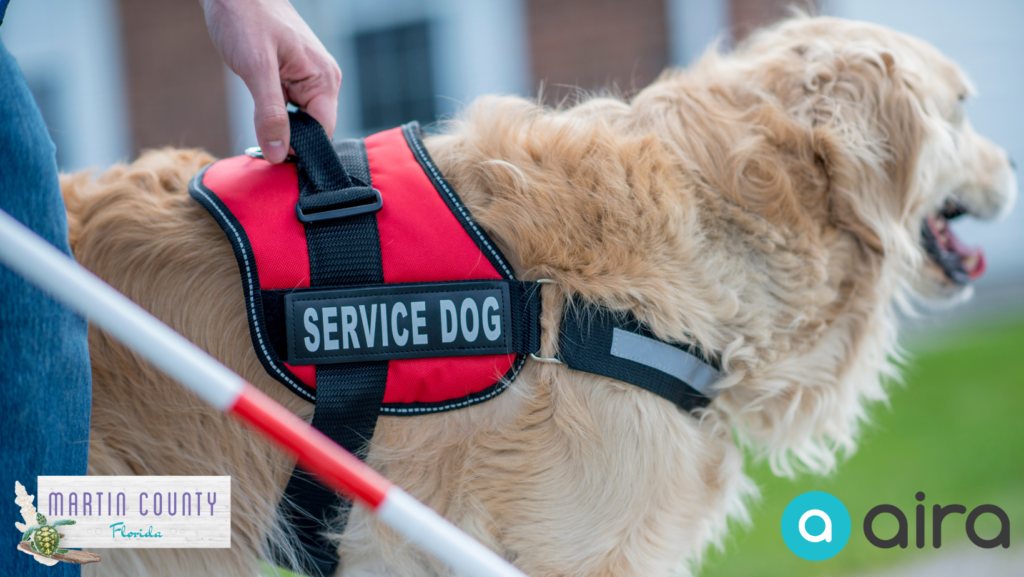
[
  {"x": 305, "y": 373},
  {"x": 277, "y": 238},
  {"x": 443, "y": 379},
  {"x": 422, "y": 241},
  {"x": 276, "y": 235}
]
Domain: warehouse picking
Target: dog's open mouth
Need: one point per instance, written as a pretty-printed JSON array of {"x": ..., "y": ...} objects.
[{"x": 960, "y": 263}]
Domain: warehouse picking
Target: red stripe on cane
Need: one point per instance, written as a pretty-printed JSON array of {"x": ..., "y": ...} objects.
[{"x": 317, "y": 454}]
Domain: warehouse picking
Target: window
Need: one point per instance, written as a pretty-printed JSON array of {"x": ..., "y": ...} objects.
[{"x": 395, "y": 76}]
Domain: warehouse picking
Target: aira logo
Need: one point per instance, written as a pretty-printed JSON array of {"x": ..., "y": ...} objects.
[
  {"x": 816, "y": 525},
  {"x": 939, "y": 514}
]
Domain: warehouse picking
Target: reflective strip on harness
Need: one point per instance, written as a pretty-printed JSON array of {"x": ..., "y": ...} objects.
[{"x": 615, "y": 344}]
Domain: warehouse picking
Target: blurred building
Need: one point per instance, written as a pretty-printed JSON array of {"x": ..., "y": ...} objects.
[
  {"x": 71, "y": 53},
  {"x": 117, "y": 76},
  {"x": 113, "y": 77}
]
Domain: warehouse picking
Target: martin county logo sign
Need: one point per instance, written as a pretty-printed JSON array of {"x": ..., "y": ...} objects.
[{"x": 120, "y": 512}]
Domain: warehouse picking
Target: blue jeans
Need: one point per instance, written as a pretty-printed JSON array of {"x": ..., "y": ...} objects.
[{"x": 45, "y": 381}]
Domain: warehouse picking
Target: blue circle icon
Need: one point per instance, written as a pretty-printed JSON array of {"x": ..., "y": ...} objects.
[{"x": 816, "y": 526}]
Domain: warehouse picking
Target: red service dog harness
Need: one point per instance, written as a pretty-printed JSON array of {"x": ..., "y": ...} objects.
[{"x": 370, "y": 290}]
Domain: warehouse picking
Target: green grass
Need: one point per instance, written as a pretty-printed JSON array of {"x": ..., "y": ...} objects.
[
  {"x": 272, "y": 571},
  {"x": 955, "y": 431}
]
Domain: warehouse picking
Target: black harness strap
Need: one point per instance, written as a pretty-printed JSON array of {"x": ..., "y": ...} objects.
[
  {"x": 617, "y": 345},
  {"x": 343, "y": 251}
]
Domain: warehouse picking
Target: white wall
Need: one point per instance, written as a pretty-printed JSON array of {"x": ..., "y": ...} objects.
[
  {"x": 74, "y": 47},
  {"x": 478, "y": 47},
  {"x": 986, "y": 38}
]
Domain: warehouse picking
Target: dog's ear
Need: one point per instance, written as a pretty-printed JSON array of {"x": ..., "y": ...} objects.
[{"x": 867, "y": 131}]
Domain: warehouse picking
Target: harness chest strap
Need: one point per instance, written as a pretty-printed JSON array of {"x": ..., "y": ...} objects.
[{"x": 370, "y": 290}]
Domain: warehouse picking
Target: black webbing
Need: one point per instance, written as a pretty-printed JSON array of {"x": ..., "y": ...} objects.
[
  {"x": 342, "y": 252},
  {"x": 585, "y": 344},
  {"x": 352, "y": 154},
  {"x": 526, "y": 310}
]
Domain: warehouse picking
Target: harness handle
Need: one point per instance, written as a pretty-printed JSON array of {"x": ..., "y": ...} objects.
[{"x": 326, "y": 190}]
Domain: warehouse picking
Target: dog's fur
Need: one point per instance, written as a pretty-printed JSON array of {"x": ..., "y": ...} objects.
[{"x": 765, "y": 204}]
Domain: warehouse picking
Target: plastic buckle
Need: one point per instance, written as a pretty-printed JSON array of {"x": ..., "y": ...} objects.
[{"x": 374, "y": 206}]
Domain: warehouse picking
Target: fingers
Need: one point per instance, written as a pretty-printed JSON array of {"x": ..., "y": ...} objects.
[
  {"x": 316, "y": 91},
  {"x": 324, "y": 108},
  {"x": 270, "y": 115}
]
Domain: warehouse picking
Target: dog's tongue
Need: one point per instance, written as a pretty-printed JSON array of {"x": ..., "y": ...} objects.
[{"x": 971, "y": 259}]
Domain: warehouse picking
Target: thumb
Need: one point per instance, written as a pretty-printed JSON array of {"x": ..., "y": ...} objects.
[{"x": 271, "y": 115}]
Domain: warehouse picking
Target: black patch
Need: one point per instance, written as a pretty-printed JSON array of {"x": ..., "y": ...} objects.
[{"x": 398, "y": 321}]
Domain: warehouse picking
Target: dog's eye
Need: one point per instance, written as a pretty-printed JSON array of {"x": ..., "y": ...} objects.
[{"x": 962, "y": 96}]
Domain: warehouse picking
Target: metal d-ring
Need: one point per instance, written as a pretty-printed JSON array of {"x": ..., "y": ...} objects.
[
  {"x": 257, "y": 152},
  {"x": 533, "y": 355}
]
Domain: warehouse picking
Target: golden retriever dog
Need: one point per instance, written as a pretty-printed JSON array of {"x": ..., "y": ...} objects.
[{"x": 775, "y": 205}]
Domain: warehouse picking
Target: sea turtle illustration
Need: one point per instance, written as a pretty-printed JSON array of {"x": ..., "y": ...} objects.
[{"x": 45, "y": 539}]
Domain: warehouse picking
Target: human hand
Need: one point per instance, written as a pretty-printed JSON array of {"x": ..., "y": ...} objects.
[{"x": 272, "y": 49}]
